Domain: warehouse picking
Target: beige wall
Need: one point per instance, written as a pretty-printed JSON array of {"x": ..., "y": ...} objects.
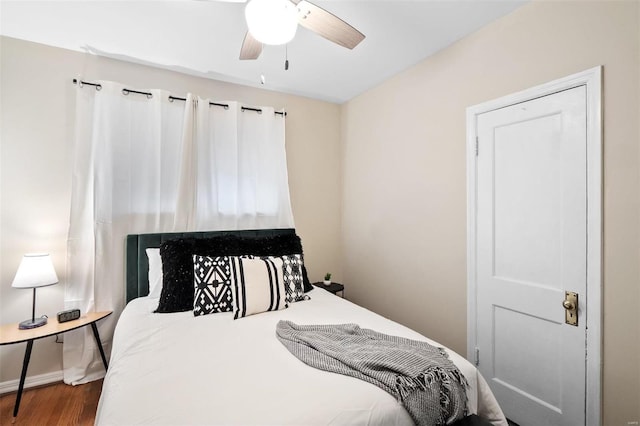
[
  {"x": 37, "y": 100},
  {"x": 404, "y": 206}
]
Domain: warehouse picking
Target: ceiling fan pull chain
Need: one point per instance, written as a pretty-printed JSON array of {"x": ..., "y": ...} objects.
[{"x": 286, "y": 57}]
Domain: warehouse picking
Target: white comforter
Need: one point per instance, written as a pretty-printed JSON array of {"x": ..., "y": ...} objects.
[{"x": 177, "y": 369}]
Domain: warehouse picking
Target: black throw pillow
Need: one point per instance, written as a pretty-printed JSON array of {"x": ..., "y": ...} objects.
[
  {"x": 305, "y": 278},
  {"x": 177, "y": 262}
]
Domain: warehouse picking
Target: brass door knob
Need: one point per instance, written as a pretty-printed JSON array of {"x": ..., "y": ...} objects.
[{"x": 570, "y": 305}]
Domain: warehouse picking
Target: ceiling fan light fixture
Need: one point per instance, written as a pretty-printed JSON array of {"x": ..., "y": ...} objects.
[{"x": 271, "y": 22}]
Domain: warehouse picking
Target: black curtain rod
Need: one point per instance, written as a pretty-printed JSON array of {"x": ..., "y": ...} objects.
[
  {"x": 176, "y": 98},
  {"x": 171, "y": 98},
  {"x": 226, "y": 106}
]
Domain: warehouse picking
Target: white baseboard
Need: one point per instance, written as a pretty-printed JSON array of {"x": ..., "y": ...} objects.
[{"x": 31, "y": 381}]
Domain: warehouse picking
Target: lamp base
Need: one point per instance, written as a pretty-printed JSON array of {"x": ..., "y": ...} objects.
[{"x": 32, "y": 323}]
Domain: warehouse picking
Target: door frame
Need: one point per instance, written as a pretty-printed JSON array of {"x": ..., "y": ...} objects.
[{"x": 592, "y": 80}]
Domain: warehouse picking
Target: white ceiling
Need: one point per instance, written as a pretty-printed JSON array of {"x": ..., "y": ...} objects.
[{"x": 204, "y": 37}]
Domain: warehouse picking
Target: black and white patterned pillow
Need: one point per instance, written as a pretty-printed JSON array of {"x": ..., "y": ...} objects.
[
  {"x": 293, "y": 281},
  {"x": 212, "y": 285},
  {"x": 257, "y": 285}
]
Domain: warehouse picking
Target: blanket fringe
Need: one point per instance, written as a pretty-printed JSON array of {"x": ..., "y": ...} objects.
[{"x": 405, "y": 386}]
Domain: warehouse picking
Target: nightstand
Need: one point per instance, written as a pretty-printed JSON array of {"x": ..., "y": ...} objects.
[
  {"x": 10, "y": 334},
  {"x": 334, "y": 288}
]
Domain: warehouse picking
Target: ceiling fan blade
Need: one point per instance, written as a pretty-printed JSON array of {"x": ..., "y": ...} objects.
[
  {"x": 251, "y": 48},
  {"x": 327, "y": 25}
]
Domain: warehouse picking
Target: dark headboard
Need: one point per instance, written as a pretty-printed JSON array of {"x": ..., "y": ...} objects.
[{"x": 137, "y": 264}]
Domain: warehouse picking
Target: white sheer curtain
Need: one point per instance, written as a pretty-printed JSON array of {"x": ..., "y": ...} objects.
[
  {"x": 146, "y": 164},
  {"x": 242, "y": 168}
]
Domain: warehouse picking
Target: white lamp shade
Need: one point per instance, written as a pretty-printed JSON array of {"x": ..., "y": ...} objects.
[
  {"x": 271, "y": 21},
  {"x": 35, "y": 270}
]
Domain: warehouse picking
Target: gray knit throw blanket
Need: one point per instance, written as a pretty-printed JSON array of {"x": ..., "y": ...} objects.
[{"x": 419, "y": 375}]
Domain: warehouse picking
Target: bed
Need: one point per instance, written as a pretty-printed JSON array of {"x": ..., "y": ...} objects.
[{"x": 180, "y": 369}]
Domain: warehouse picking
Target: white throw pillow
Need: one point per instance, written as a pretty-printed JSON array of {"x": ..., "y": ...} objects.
[
  {"x": 257, "y": 285},
  {"x": 155, "y": 272}
]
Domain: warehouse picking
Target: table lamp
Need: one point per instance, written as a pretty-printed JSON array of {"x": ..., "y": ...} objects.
[{"x": 35, "y": 270}]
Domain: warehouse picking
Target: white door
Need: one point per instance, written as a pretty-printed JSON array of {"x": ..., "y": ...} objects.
[{"x": 532, "y": 248}]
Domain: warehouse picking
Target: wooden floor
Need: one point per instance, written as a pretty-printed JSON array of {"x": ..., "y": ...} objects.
[{"x": 56, "y": 404}]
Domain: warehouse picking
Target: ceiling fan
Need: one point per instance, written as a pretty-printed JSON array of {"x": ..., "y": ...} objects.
[{"x": 274, "y": 22}]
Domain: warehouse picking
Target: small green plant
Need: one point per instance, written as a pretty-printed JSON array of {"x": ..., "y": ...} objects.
[{"x": 327, "y": 276}]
